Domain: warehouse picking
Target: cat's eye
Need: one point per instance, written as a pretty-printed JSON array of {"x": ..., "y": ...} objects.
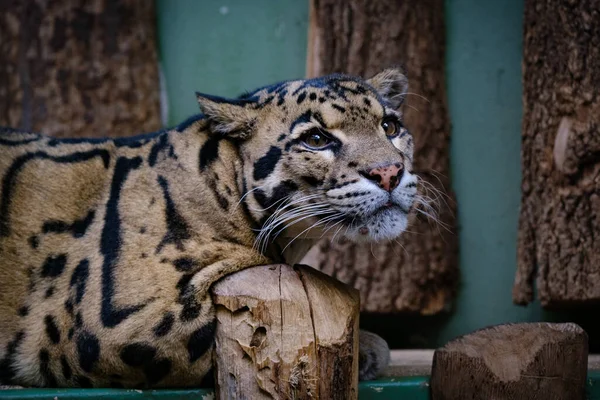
[
  {"x": 391, "y": 127},
  {"x": 316, "y": 139}
]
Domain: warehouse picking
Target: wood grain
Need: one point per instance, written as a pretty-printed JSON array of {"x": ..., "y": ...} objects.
[
  {"x": 528, "y": 361},
  {"x": 284, "y": 333}
]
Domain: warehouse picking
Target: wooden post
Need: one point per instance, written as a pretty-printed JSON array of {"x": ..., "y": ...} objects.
[
  {"x": 419, "y": 274},
  {"x": 528, "y": 361},
  {"x": 285, "y": 333},
  {"x": 84, "y": 68},
  {"x": 558, "y": 245}
]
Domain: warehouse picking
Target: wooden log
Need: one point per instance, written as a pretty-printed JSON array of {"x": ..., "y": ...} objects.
[
  {"x": 361, "y": 37},
  {"x": 84, "y": 68},
  {"x": 527, "y": 361},
  {"x": 558, "y": 244},
  {"x": 284, "y": 333}
]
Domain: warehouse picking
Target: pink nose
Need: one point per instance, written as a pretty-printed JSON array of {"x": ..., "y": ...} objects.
[{"x": 387, "y": 176}]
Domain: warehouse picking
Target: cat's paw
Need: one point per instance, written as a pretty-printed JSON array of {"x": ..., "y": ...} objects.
[{"x": 373, "y": 355}]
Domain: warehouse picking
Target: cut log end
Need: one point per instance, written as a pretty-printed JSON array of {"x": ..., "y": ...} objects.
[
  {"x": 513, "y": 361},
  {"x": 285, "y": 332}
]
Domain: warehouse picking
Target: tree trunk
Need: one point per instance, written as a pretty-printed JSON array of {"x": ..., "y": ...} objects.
[
  {"x": 360, "y": 37},
  {"x": 529, "y": 361},
  {"x": 79, "y": 68},
  {"x": 285, "y": 333},
  {"x": 560, "y": 211}
]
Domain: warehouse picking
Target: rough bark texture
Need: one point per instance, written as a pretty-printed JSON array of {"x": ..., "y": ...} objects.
[
  {"x": 285, "y": 333},
  {"x": 78, "y": 67},
  {"x": 418, "y": 274},
  {"x": 530, "y": 361},
  {"x": 560, "y": 211}
]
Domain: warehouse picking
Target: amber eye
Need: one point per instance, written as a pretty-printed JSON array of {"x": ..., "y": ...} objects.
[
  {"x": 390, "y": 127},
  {"x": 316, "y": 139}
]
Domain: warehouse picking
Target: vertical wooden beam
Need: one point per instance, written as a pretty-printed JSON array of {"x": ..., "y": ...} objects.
[
  {"x": 79, "y": 68},
  {"x": 559, "y": 222},
  {"x": 418, "y": 273}
]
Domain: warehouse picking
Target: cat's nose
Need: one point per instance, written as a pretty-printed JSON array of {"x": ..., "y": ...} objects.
[{"x": 386, "y": 176}]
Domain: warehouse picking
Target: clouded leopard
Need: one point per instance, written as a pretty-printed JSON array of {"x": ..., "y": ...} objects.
[{"x": 108, "y": 246}]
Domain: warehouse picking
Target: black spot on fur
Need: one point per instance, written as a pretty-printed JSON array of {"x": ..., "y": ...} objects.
[
  {"x": 137, "y": 354},
  {"x": 305, "y": 117},
  {"x": 51, "y": 329},
  {"x": 143, "y": 230},
  {"x": 156, "y": 370},
  {"x": 311, "y": 180},
  {"x": 201, "y": 341},
  {"x": 209, "y": 152},
  {"x": 165, "y": 325},
  {"x": 352, "y": 164},
  {"x": 66, "y": 368},
  {"x": 281, "y": 137},
  {"x": 49, "y": 292},
  {"x": 69, "y": 306},
  {"x": 187, "y": 298},
  {"x": 23, "y": 311},
  {"x": 70, "y": 333},
  {"x": 45, "y": 371},
  {"x": 313, "y": 96},
  {"x": 322, "y": 100},
  {"x": 78, "y": 320},
  {"x": 367, "y": 101},
  {"x": 34, "y": 242},
  {"x": 177, "y": 227},
  {"x": 88, "y": 349},
  {"x": 77, "y": 228},
  {"x": 84, "y": 382},
  {"x": 266, "y": 164},
  {"x": 301, "y": 97},
  {"x": 161, "y": 146},
  {"x": 79, "y": 279},
  {"x": 7, "y": 369},
  {"x": 10, "y": 178},
  {"x": 54, "y": 266},
  {"x": 5, "y": 142},
  {"x": 223, "y": 202},
  {"x": 284, "y": 189},
  {"x": 110, "y": 245},
  {"x": 339, "y": 108},
  {"x": 184, "y": 264}
]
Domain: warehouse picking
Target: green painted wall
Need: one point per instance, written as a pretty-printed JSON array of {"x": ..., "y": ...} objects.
[
  {"x": 484, "y": 51},
  {"x": 227, "y": 47}
]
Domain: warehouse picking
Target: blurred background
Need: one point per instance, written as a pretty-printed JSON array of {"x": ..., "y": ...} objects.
[{"x": 510, "y": 237}]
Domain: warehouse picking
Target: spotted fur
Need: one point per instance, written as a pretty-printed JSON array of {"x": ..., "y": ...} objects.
[{"x": 108, "y": 246}]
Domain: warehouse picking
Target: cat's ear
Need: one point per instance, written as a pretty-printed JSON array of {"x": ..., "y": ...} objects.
[
  {"x": 233, "y": 118},
  {"x": 391, "y": 84}
]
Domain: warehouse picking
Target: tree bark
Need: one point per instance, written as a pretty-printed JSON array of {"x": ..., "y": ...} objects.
[
  {"x": 420, "y": 273},
  {"x": 79, "y": 68},
  {"x": 529, "y": 361},
  {"x": 285, "y": 333},
  {"x": 560, "y": 207}
]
